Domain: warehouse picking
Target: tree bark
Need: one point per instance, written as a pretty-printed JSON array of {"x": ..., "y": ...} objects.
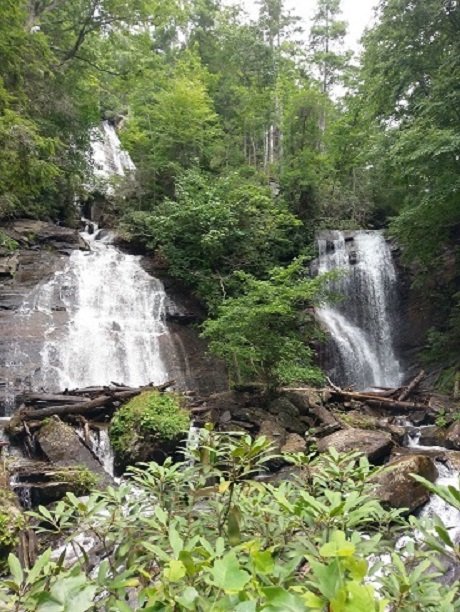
[{"x": 107, "y": 399}]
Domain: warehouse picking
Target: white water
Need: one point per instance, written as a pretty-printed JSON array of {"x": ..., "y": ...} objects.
[
  {"x": 360, "y": 324},
  {"x": 109, "y": 159},
  {"x": 116, "y": 321}
]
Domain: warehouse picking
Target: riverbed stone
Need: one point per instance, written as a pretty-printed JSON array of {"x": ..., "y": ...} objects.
[
  {"x": 376, "y": 445},
  {"x": 452, "y": 437},
  {"x": 396, "y": 487},
  {"x": 432, "y": 436},
  {"x": 294, "y": 444},
  {"x": 273, "y": 431}
]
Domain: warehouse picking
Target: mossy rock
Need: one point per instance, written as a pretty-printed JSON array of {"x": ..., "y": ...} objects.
[{"x": 149, "y": 427}]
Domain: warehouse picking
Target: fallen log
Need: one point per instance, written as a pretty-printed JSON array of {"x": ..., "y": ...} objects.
[
  {"x": 105, "y": 400},
  {"x": 412, "y": 385},
  {"x": 381, "y": 402}
]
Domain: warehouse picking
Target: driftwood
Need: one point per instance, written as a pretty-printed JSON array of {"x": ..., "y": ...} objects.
[
  {"x": 412, "y": 385},
  {"x": 396, "y": 399},
  {"x": 374, "y": 399},
  {"x": 83, "y": 401}
]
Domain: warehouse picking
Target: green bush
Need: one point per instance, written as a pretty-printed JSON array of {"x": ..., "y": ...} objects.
[{"x": 148, "y": 419}]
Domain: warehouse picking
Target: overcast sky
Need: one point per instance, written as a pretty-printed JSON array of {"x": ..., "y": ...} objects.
[{"x": 358, "y": 13}]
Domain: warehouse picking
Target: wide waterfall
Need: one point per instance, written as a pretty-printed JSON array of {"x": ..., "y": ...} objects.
[
  {"x": 361, "y": 321},
  {"x": 116, "y": 321}
]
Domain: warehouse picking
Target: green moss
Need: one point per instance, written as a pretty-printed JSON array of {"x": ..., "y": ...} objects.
[
  {"x": 80, "y": 480},
  {"x": 11, "y": 523},
  {"x": 357, "y": 421},
  {"x": 148, "y": 417},
  {"x": 7, "y": 242}
]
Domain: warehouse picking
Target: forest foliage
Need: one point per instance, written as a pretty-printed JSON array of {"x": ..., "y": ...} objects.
[{"x": 248, "y": 134}]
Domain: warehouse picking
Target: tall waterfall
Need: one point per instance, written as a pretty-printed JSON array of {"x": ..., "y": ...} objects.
[
  {"x": 115, "y": 325},
  {"x": 99, "y": 319},
  {"x": 361, "y": 323}
]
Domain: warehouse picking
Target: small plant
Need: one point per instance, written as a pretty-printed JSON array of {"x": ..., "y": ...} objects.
[
  {"x": 442, "y": 420},
  {"x": 203, "y": 535}
]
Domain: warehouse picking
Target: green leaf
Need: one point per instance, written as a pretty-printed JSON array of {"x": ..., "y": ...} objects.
[
  {"x": 15, "y": 568},
  {"x": 227, "y": 574},
  {"x": 233, "y": 526},
  {"x": 280, "y": 600},
  {"x": 188, "y": 598},
  {"x": 328, "y": 577},
  {"x": 177, "y": 544},
  {"x": 175, "y": 571},
  {"x": 263, "y": 561}
]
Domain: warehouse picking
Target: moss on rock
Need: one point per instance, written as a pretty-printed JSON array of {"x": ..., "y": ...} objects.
[
  {"x": 148, "y": 427},
  {"x": 11, "y": 519}
]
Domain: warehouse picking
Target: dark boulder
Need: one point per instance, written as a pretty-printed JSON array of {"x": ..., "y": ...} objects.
[{"x": 395, "y": 486}]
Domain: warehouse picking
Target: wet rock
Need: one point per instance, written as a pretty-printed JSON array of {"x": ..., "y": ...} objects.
[
  {"x": 294, "y": 444},
  {"x": 30, "y": 231},
  {"x": 38, "y": 483},
  {"x": 375, "y": 445},
  {"x": 432, "y": 436},
  {"x": 453, "y": 460},
  {"x": 452, "y": 437},
  {"x": 396, "y": 487},
  {"x": 64, "y": 448},
  {"x": 283, "y": 406}
]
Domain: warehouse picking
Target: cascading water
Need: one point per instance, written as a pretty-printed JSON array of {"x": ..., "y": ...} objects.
[
  {"x": 102, "y": 317},
  {"x": 360, "y": 322},
  {"x": 116, "y": 322},
  {"x": 109, "y": 159}
]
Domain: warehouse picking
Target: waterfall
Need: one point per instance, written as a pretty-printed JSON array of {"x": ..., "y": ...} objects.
[
  {"x": 360, "y": 323},
  {"x": 109, "y": 159},
  {"x": 97, "y": 320},
  {"x": 115, "y": 322}
]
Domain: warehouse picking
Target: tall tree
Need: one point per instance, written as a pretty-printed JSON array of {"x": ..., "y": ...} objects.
[{"x": 327, "y": 37}]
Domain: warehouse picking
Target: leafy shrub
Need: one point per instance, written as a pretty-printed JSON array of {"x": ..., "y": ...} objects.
[
  {"x": 214, "y": 227},
  {"x": 203, "y": 536},
  {"x": 147, "y": 419},
  {"x": 266, "y": 333}
]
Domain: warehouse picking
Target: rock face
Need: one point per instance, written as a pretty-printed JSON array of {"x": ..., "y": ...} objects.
[
  {"x": 41, "y": 250},
  {"x": 396, "y": 487},
  {"x": 63, "y": 448},
  {"x": 190, "y": 360},
  {"x": 376, "y": 445}
]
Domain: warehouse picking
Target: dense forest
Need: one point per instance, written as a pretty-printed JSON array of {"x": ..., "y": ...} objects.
[{"x": 249, "y": 135}]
